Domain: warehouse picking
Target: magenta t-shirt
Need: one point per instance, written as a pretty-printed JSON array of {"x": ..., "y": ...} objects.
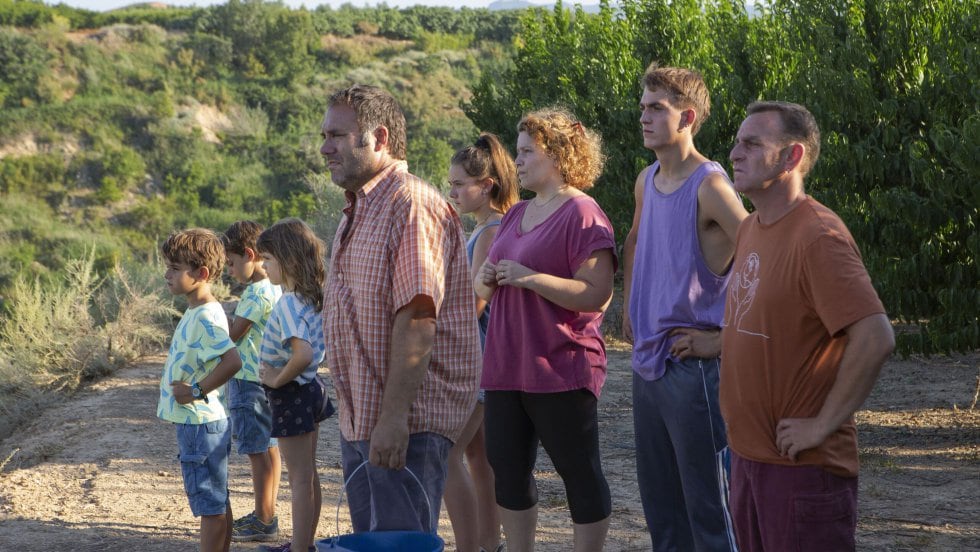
[{"x": 533, "y": 345}]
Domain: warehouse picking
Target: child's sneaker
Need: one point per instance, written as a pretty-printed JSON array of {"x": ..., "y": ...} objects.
[
  {"x": 287, "y": 547},
  {"x": 250, "y": 528}
]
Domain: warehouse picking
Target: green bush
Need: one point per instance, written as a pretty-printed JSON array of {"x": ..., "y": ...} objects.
[
  {"x": 24, "y": 13},
  {"x": 891, "y": 83},
  {"x": 22, "y": 64},
  {"x": 439, "y": 41},
  {"x": 34, "y": 174}
]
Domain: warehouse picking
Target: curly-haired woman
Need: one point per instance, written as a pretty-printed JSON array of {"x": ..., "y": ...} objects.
[{"x": 549, "y": 275}]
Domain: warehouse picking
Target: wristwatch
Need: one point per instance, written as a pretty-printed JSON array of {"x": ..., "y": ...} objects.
[{"x": 197, "y": 392}]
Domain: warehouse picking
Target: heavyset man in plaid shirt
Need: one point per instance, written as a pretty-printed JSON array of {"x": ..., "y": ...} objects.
[{"x": 402, "y": 341}]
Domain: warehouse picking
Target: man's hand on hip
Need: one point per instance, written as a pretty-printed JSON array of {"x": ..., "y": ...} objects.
[{"x": 794, "y": 435}]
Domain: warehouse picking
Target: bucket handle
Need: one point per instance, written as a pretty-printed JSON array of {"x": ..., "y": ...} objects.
[{"x": 340, "y": 500}]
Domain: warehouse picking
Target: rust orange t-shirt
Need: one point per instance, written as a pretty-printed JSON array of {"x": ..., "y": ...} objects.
[{"x": 796, "y": 285}]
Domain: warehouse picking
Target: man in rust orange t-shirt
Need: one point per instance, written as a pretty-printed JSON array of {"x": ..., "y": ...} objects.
[{"x": 804, "y": 339}]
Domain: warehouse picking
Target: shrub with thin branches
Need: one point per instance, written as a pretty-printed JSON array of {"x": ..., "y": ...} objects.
[{"x": 59, "y": 334}]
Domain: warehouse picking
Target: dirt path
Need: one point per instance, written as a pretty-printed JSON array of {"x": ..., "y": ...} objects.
[{"x": 98, "y": 472}]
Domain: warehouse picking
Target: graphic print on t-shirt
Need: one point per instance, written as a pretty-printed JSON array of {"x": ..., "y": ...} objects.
[{"x": 741, "y": 294}]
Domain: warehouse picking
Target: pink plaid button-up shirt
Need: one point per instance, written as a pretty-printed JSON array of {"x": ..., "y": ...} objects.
[{"x": 400, "y": 239}]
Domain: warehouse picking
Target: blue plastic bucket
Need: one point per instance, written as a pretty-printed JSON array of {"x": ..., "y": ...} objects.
[
  {"x": 381, "y": 541},
  {"x": 386, "y": 541}
]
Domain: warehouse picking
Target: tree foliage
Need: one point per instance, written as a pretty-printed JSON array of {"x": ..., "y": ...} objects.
[
  {"x": 169, "y": 118},
  {"x": 22, "y": 64},
  {"x": 891, "y": 83}
]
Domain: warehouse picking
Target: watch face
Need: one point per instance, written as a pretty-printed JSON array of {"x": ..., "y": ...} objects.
[{"x": 196, "y": 391}]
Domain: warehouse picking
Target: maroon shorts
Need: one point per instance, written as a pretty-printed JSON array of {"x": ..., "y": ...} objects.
[{"x": 791, "y": 508}]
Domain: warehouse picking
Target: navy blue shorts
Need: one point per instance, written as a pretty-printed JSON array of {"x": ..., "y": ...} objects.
[{"x": 297, "y": 408}]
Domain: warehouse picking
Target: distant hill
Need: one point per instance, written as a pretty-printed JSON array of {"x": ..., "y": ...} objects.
[
  {"x": 509, "y": 5},
  {"x": 523, "y": 4},
  {"x": 145, "y": 5}
]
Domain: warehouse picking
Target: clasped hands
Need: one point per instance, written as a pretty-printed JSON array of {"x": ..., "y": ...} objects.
[{"x": 505, "y": 273}]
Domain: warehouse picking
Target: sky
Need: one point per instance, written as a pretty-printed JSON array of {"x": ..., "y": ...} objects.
[{"x": 100, "y": 5}]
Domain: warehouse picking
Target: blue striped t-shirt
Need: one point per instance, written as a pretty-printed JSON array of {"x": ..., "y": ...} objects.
[{"x": 292, "y": 317}]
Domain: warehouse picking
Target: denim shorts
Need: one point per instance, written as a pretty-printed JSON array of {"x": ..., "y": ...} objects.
[
  {"x": 204, "y": 450},
  {"x": 251, "y": 417}
]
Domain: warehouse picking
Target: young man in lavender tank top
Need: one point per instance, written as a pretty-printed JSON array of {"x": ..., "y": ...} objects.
[{"x": 676, "y": 262}]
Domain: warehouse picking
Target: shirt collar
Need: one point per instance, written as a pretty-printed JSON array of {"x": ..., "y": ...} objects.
[{"x": 371, "y": 185}]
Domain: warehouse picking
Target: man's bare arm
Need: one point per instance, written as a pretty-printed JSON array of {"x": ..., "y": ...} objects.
[
  {"x": 721, "y": 207},
  {"x": 412, "y": 335},
  {"x": 870, "y": 341}
]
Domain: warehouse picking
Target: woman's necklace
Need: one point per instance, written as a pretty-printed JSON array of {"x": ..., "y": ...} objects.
[
  {"x": 486, "y": 218},
  {"x": 550, "y": 199}
]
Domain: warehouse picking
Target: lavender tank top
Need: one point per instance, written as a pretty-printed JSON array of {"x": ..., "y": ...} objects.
[{"x": 672, "y": 286}]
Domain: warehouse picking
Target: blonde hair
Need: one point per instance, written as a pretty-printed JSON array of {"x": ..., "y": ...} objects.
[
  {"x": 300, "y": 254},
  {"x": 197, "y": 248},
  {"x": 576, "y": 150},
  {"x": 488, "y": 158},
  {"x": 686, "y": 88}
]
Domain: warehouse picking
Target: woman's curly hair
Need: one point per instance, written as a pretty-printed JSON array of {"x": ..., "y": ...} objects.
[{"x": 575, "y": 149}]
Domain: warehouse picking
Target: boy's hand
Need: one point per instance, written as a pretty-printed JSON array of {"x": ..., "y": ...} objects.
[
  {"x": 694, "y": 343},
  {"x": 182, "y": 392}
]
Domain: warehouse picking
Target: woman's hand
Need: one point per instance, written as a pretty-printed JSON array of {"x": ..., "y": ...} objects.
[
  {"x": 488, "y": 274},
  {"x": 512, "y": 273}
]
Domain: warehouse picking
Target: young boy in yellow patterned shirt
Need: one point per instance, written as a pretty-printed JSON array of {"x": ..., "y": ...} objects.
[{"x": 201, "y": 359}]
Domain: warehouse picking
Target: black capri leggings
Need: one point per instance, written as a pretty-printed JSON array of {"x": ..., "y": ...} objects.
[{"x": 567, "y": 425}]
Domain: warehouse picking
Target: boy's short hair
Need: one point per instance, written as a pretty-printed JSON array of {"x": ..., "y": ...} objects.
[
  {"x": 196, "y": 247},
  {"x": 240, "y": 235},
  {"x": 686, "y": 87}
]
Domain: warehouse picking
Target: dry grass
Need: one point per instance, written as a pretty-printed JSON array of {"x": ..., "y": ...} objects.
[{"x": 59, "y": 334}]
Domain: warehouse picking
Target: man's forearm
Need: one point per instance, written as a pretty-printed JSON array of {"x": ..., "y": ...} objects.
[
  {"x": 413, "y": 333},
  {"x": 629, "y": 251},
  {"x": 870, "y": 342}
]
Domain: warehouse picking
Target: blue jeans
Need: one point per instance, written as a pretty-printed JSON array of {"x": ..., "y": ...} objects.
[
  {"x": 251, "y": 417},
  {"x": 682, "y": 458},
  {"x": 204, "y": 450},
  {"x": 388, "y": 500}
]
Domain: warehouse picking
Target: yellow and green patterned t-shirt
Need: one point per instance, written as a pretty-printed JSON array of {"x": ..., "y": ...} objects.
[
  {"x": 255, "y": 305},
  {"x": 198, "y": 343}
]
